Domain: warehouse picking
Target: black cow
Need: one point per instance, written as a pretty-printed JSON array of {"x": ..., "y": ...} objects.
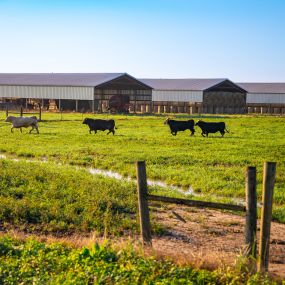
[
  {"x": 100, "y": 125},
  {"x": 207, "y": 127},
  {"x": 177, "y": 126}
]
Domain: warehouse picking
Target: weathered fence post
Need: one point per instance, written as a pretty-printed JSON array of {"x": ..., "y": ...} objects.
[
  {"x": 143, "y": 203},
  {"x": 251, "y": 212},
  {"x": 269, "y": 171},
  {"x": 21, "y": 111}
]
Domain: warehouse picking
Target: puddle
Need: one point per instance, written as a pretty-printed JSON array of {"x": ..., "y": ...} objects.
[{"x": 115, "y": 175}]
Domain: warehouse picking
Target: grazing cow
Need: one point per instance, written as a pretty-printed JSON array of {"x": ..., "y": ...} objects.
[
  {"x": 177, "y": 126},
  {"x": 207, "y": 127},
  {"x": 100, "y": 125},
  {"x": 23, "y": 122}
]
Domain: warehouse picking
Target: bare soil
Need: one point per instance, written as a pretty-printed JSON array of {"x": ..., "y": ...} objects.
[{"x": 210, "y": 238}]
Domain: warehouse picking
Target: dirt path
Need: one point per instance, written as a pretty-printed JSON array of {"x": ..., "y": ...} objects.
[{"x": 210, "y": 238}]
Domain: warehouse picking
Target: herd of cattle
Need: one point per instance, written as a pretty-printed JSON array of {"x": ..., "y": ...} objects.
[{"x": 103, "y": 125}]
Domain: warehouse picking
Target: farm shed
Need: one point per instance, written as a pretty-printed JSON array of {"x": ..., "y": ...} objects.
[
  {"x": 265, "y": 97},
  {"x": 74, "y": 91},
  {"x": 213, "y": 96}
]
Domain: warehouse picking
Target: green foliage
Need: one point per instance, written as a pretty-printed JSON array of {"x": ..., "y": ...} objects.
[
  {"x": 58, "y": 199},
  {"x": 32, "y": 262}
]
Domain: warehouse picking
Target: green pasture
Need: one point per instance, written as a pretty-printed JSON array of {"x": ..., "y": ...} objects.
[{"x": 213, "y": 166}]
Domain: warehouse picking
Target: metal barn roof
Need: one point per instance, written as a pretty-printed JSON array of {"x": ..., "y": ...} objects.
[
  {"x": 182, "y": 84},
  {"x": 270, "y": 88},
  {"x": 57, "y": 79}
]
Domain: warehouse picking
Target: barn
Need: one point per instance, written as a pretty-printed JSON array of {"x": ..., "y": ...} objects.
[
  {"x": 214, "y": 96},
  {"x": 74, "y": 91},
  {"x": 98, "y": 92},
  {"x": 265, "y": 97}
]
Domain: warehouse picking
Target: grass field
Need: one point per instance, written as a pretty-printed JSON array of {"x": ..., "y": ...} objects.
[{"x": 212, "y": 166}]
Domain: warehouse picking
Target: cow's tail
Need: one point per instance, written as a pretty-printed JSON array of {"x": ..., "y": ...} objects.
[{"x": 227, "y": 130}]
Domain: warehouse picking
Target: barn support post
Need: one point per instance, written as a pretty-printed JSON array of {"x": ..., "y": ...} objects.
[
  {"x": 76, "y": 105},
  {"x": 269, "y": 172},
  {"x": 147, "y": 108},
  {"x": 251, "y": 212},
  {"x": 40, "y": 112},
  {"x": 135, "y": 99},
  {"x": 143, "y": 203}
]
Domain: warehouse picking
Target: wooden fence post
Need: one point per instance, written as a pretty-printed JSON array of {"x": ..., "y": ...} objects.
[
  {"x": 143, "y": 203},
  {"x": 269, "y": 171},
  {"x": 21, "y": 111},
  {"x": 251, "y": 212}
]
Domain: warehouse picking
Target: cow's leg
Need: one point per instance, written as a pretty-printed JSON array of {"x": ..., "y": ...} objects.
[
  {"x": 111, "y": 131},
  {"x": 203, "y": 134},
  {"x": 12, "y": 130},
  {"x": 90, "y": 131},
  {"x": 222, "y": 133},
  {"x": 192, "y": 132},
  {"x": 21, "y": 130}
]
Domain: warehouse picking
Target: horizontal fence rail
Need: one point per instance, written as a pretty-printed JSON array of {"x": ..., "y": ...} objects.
[{"x": 195, "y": 203}]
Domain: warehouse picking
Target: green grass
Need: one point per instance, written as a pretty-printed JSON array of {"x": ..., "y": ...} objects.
[
  {"x": 62, "y": 199},
  {"x": 212, "y": 166},
  {"x": 32, "y": 262}
]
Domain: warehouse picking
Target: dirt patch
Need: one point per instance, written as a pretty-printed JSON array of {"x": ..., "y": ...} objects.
[{"x": 210, "y": 238}]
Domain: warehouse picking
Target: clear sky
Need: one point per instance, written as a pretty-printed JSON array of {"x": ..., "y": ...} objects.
[{"x": 243, "y": 40}]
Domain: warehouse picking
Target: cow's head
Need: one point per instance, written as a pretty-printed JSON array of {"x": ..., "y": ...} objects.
[
  {"x": 85, "y": 121},
  {"x": 199, "y": 123},
  {"x": 9, "y": 119}
]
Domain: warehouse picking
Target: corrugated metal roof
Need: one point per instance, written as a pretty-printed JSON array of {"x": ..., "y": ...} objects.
[
  {"x": 263, "y": 87},
  {"x": 57, "y": 79},
  {"x": 182, "y": 84}
]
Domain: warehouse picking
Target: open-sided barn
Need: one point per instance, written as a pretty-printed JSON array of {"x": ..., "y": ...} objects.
[
  {"x": 75, "y": 91},
  {"x": 98, "y": 92},
  {"x": 213, "y": 96},
  {"x": 265, "y": 97}
]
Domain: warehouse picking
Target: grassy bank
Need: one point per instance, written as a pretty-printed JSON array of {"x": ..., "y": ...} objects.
[{"x": 32, "y": 262}]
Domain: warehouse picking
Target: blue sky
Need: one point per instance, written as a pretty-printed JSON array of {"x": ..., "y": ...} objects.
[{"x": 242, "y": 40}]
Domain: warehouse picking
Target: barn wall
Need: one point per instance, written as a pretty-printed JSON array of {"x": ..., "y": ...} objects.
[
  {"x": 47, "y": 92},
  {"x": 265, "y": 98},
  {"x": 224, "y": 102},
  {"x": 139, "y": 95},
  {"x": 177, "y": 96},
  {"x": 137, "y": 99}
]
